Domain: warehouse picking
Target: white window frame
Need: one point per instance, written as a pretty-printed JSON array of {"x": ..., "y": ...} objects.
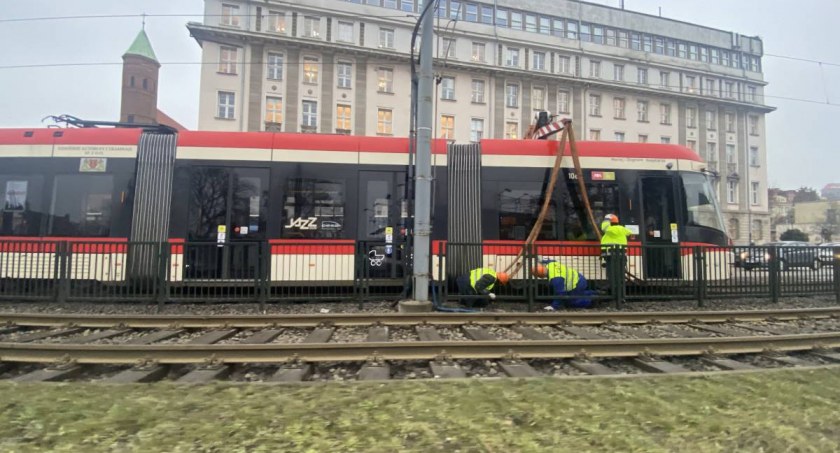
[
  {"x": 665, "y": 114},
  {"x": 384, "y": 80},
  {"x": 447, "y": 132},
  {"x": 594, "y": 105},
  {"x": 449, "y": 49},
  {"x": 311, "y": 70},
  {"x": 345, "y": 74},
  {"x": 753, "y": 124},
  {"x": 594, "y": 69},
  {"x": 274, "y": 109},
  {"x": 512, "y": 57},
  {"x": 620, "y": 108},
  {"x": 754, "y": 193},
  {"x": 311, "y": 27},
  {"x": 447, "y": 88},
  {"x": 230, "y": 15},
  {"x": 619, "y": 136},
  {"x": 642, "y": 111},
  {"x": 309, "y": 114},
  {"x": 343, "y": 117},
  {"x": 476, "y": 129},
  {"x": 274, "y": 66},
  {"x": 732, "y": 192},
  {"x": 595, "y": 135},
  {"x": 665, "y": 140},
  {"x": 563, "y": 101},
  {"x": 385, "y": 121},
  {"x": 512, "y": 95},
  {"x": 564, "y": 64},
  {"x": 227, "y": 60},
  {"x": 345, "y": 32},
  {"x": 711, "y": 120},
  {"x": 664, "y": 80},
  {"x": 539, "y": 61},
  {"x": 479, "y": 52},
  {"x": 226, "y": 105},
  {"x": 691, "y": 117},
  {"x": 754, "y": 157},
  {"x": 642, "y": 76},
  {"x": 511, "y": 130},
  {"x": 276, "y": 22},
  {"x": 538, "y": 102},
  {"x": 386, "y": 38},
  {"x": 618, "y": 73},
  {"x": 478, "y": 86}
]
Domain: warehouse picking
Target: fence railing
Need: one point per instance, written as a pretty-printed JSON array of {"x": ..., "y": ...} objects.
[{"x": 360, "y": 271}]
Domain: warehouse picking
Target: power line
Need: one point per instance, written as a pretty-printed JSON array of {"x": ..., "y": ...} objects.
[
  {"x": 131, "y": 16},
  {"x": 787, "y": 57}
]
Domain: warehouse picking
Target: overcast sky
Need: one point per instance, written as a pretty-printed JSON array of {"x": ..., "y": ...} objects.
[{"x": 802, "y": 146}]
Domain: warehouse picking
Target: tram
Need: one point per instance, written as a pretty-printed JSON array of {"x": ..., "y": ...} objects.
[{"x": 306, "y": 198}]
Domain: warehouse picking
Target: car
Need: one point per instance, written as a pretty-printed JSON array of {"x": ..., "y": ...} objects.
[
  {"x": 791, "y": 254},
  {"x": 827, "y": 253}
]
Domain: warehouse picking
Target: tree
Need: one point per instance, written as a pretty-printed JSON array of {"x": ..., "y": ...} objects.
[
  {"x": 805, "y": 194},
  {"x": 794, "y": 235}
]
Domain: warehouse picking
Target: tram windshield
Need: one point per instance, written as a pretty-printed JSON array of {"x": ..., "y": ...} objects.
[{"x": 701, "y": 203}]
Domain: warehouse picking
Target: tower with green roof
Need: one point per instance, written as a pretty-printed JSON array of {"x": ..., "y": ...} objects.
[{"x": 140, "y": 82}]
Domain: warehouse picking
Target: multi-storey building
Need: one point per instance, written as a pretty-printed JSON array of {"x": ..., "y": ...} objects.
[{"x": 334, "y": 66}]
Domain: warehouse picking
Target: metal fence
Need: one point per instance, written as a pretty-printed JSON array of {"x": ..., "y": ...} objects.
[{"x": 359, "y": 271}]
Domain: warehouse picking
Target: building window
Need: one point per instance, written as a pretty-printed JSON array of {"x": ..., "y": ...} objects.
[
  {"x": 310, "y": 114},
  {"x": 623, "y": 40},
  {"x": 312, "y": 27},
  {"x": 704, "y": 54},
  {"x": 643, "y": 138},
  {"x": 539, "y": 61},
  {"x": 571, "y": 30},
  {"x": 454, "y": 10},
  {"x": 724, "y": 58},
  {"x": 345, "y": 75},
  {"x": 691, "y": 144},
  {"x": 691, "y": 84},
  {"x": 754, "y": 193},
  {"x": 230, "y": 15},
  {"x": 665, "y": 114},
  {"x": 730, "y": 121},
  {"x": 501, "y": 16},
  {"x": 643, "y": 76},
  {"x": 598, "y": 34},
  {"x": 711, "y": 120},
  {"x": 345, "y": 32},
  {"x": 276, "y": 22},
  {"x": 618, "y": 73},
  {"x": 477, "y": 91},
  {"x": 386, "y": 38},
  {"x": 516, "y": 20},
  {"x": 479, "y": 52},
  {"x": 545, "y": 25},
  {"x": 472, "y": 13},
  {"x": 681, "y": 50},
  {"x": 447, "y": 88},
  {"x": 670, "y": 48},
  {"x": 729, "y": 90},
  {"x": 611, "y": 41},
  {"x": 594, "y": 135},
  {"x": 751, "y": 92},
  {"x": 343, "y": 118},
  {"x": 659, "y": 45},
  {"x": 635, "y": 41},
  {"x": 665, "y": 140},
  {"x": 384, "y": 122},
  {"x": 619, "y": 136},
  {"x": 758, "y": 230},
  {"x": 449, "y": 47},
  {"x": 753, "y": 125},
  {"x": 734, "y": 228},
  {"x": 227, "y": 101},
  {"x": 691, "y": 117},
  {"x": 564, "y": 65},
  {"x": 711, "y": 89},
  {"x": 664, "y": 80},
  {"x": 642, "y": 110},
  {"x": 512, "y": 57},
  {"x": 730, "y": 154},
  {"x": 594, "y": 105},
  {"x": 511, "y": 130},
  {"x": 447, "y": 127},
  {"x": 619, "y": 107},
  {"x": 512, "y": 95},
  {"x": 563, "y": 101},
  {"x": 732, "y": 191},
  {"x": 595, "y": 69},
  {"x": 487, "y": 15},
  {"x": 274, "y": 110},
  {"x": 476, "y": 130},
  {"x": 538, "y": 98},
  {"x": 385, "y": 80},
  {"x": 711, "y": 152},
  {"x": 227, "y": 60},
  {"x": 275, "y": 66},
  {"x": 692, "y": 52},
  {"x": 310, "y": 70},
  {"x": 753, "y": 156}
]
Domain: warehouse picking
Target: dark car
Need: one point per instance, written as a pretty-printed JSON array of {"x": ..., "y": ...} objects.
[{"x": 791, "y": 254}]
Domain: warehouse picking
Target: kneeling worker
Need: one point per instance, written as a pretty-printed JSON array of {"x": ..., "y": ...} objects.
[
  {"x": 565, "y": 281},
  {"x": 480, "y": 282}
]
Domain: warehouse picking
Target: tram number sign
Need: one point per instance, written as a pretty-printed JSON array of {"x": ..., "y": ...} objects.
[{"x": 303, "y": 223}]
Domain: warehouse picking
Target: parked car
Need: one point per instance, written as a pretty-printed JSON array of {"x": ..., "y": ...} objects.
[
  {"x": 826, "y": 253},
  {"x": 791, "y": 254}
]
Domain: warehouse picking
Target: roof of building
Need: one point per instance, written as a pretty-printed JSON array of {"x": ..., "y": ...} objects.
[
  {"x": 167, "y": 120},
  {"x": 831, "y": 186},
  {"x": 142, "y": 47}
]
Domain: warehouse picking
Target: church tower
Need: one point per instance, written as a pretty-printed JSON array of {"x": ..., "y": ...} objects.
[{"x": 140, "y": 82}]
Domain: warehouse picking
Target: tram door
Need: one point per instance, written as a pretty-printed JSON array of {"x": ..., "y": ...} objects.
[
  {"x": 227, "y": 222},
  {"x": 661, "y": 252},
  {"x": 382, "y": 220}
]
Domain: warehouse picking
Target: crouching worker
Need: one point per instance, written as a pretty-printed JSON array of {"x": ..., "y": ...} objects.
[
  {"x": 565, "y": 281},
  {"x": 480, "y": 282}
]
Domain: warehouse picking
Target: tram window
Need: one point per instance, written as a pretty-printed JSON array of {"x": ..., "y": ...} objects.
[
  {"x": 21, "y": 210},
  {"x": 700, "y": 201},
  {"x": 313, "y": 208},
  {"x": 603, "y": 198},
  {"x": 519, "y": 207},
  {"x": 81, "y": 205}
]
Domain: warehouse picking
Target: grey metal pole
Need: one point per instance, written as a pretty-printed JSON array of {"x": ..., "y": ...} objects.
[{"x": 423, "y": 175}]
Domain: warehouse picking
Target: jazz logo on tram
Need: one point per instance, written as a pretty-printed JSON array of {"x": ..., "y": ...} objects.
[{"x": 302, "y": 223}]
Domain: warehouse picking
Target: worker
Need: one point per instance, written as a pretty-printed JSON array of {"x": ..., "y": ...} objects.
[
  {"x": 565, "y": 281},
  {"x": 614, "y": 237},
  {"x": 480, "y": 282}
]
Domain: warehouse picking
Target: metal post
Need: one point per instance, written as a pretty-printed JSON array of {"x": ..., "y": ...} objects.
[
  {"x": 773, "y": 270},
  {"x": 163, "y": 273},
  {"x": 423, "y": 181},
  {"x": 530, "y": 281},
  {"x": 699, "y": 274},
  {"x": 263, "y": 274},
  {"x": 836, "y": 266}
]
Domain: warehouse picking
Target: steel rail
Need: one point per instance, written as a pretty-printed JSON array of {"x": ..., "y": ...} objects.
[
  {"x": 405, "y": 319},
  {"x": 418, "y": 350}
]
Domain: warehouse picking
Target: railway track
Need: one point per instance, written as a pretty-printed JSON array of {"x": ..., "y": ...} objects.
[
  {"x": 377, "y": 346},
  {"x": 407, "y": 319}
]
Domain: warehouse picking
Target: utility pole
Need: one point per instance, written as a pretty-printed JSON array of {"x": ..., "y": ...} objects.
[{"x": 423, "y": 172}]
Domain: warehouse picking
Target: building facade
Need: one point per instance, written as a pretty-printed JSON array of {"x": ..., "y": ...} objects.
[{"x": 333, "y": 66}]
